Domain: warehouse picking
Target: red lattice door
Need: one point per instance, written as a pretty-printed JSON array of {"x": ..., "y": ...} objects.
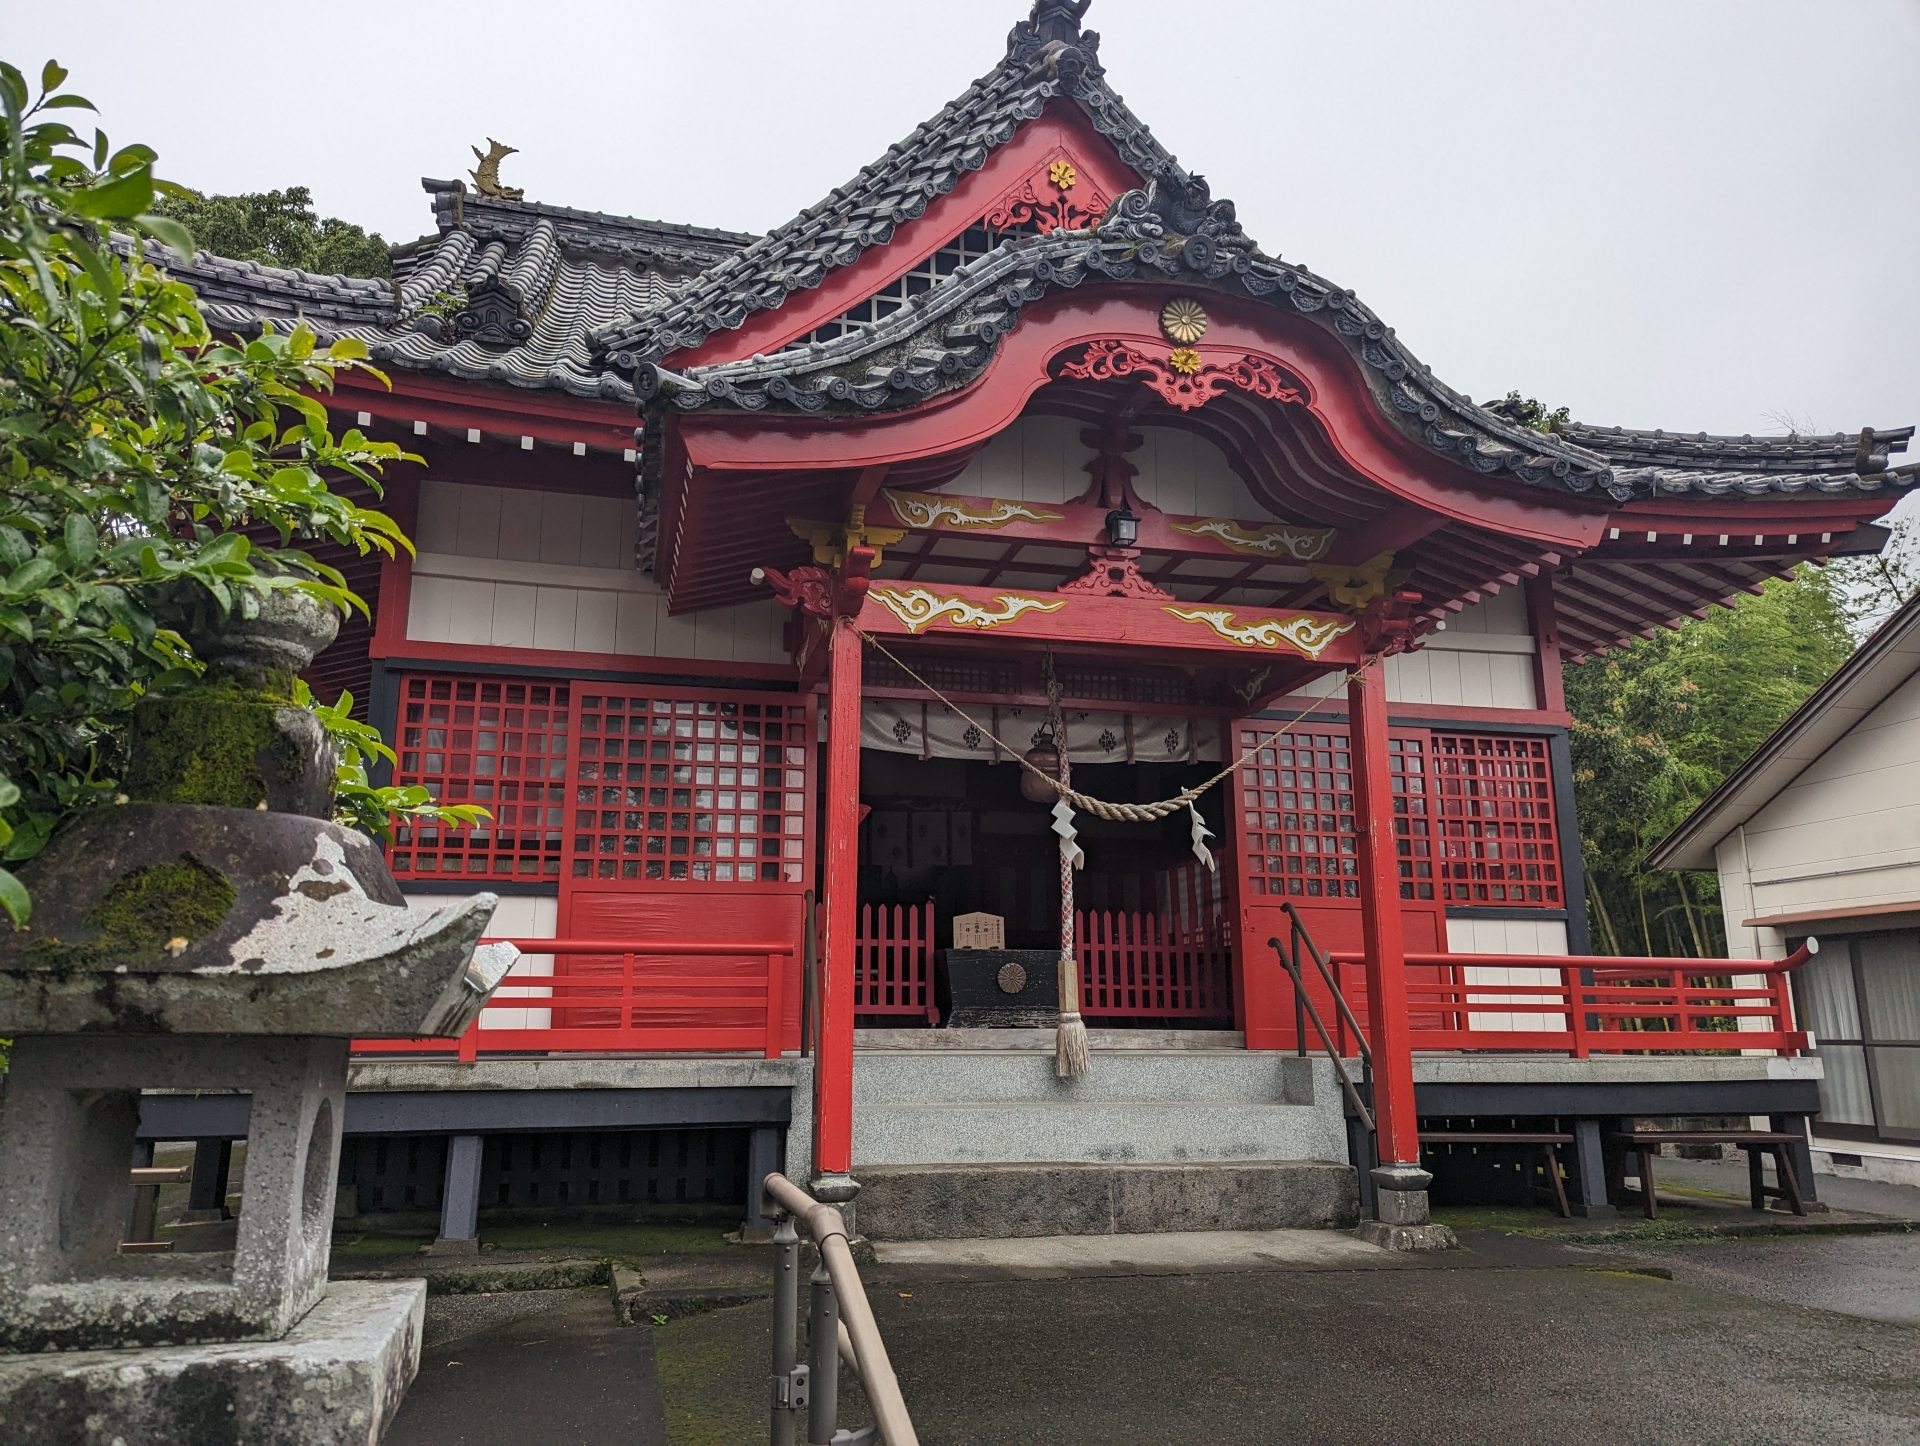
[{"x": 1296, "y": 843}]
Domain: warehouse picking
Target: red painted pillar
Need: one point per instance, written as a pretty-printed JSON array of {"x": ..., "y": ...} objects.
[
  {"x": 840, "y": 873},
  {"x": 1380, "y": 920}
]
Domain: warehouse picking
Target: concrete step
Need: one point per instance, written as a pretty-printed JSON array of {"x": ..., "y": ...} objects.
[
  {"x": 1096, "y": 1132},
  {"x": 898, "y": 1077},
  {"x": 950, "y": 1202},
  {"x": 1137, "y": 1107}
]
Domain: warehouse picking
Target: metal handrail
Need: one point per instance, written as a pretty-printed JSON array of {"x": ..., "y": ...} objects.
[
  {"x": 841, "y": 1325},
  {"x": 1320, "y": 961},
  {"x": 1291, "y": 963}
]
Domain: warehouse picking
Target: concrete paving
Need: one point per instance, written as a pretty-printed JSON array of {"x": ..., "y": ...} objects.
[
  {"x": 1876, "y": 1277},
  {"x": 567, "y": 1374},
  {"x": 1183, "y": 1252},
  {"x": 1250, "y": 1336}
]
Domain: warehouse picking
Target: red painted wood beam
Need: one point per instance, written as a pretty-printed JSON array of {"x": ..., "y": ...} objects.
[
  {"x": 948, "y": 611},
  {"x": 840, "y": 876},
  {"x": 1398, "y": 1127},
  {"x": 1549, "y": 690}
]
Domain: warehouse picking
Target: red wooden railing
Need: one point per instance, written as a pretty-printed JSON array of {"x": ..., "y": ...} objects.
[
  {"x": 1140, "y": 966},
  {"x": 1592, "y": 1004},
  {"x": 629, "y": 995},
  {"x": 893, "y": 961}
]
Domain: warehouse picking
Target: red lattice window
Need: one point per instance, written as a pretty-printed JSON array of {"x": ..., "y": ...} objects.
[
  {"x": 1296, "y": 798},
  {"x": 1412, "y": 820},
  {"x": 691, "y": 788},
  {"x": 499, "y": 744},
  {"x": 1494, "y": 831}
]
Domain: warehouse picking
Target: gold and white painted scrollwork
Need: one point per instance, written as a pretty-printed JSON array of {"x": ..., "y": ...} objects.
[
  {"x": 1309, "y": 635},
  {"x": 917, "y": 608},
  {"x": 920, "y": 509},
  {"x": 1301, "y": 543}
]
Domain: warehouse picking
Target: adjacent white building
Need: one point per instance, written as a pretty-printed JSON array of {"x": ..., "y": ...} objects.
[{"x": 1818, "y": 834}]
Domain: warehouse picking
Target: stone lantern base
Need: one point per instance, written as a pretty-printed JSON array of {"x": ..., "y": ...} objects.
[{"x": 336, "y": 1378}]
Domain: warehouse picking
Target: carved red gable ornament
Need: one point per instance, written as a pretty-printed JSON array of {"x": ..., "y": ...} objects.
[
  {"x": 1186, "y": 378},
  {"x": 1058, "y": 196}
]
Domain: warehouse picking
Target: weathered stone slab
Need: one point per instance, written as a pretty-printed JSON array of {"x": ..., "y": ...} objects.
[
  {"x": 949, "y": 1202},
  {"x": 336, "y": 1379},
  {"x": 183, "y": 919}
]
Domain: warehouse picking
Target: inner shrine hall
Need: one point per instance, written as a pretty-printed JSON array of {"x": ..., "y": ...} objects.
[{"x": 1003, "y": 685}]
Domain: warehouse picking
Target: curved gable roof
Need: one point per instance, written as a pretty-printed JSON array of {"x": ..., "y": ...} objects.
[{"x": 1048, "y": 57}]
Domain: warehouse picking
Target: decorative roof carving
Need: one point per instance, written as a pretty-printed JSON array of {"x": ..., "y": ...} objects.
[
  {"x": 589, "y": 303},
  {"x": 486, "y": 180}
]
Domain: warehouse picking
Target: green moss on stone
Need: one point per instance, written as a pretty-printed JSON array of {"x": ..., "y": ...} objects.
[
  {"x": 141, "y": 918},
  {"x": 206, "y": 745}
]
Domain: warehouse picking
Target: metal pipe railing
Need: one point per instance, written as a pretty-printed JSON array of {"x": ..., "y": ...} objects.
[{"x": 841, "y": 1324}]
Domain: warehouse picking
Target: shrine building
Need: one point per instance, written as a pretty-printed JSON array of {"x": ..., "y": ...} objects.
[{"x": 760, "y": 580}]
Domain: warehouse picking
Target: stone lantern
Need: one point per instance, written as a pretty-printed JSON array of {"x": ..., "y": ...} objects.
[{"x": 216, "y": 932}]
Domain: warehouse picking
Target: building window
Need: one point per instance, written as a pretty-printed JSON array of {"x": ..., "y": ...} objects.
[
  {"x": 701, "y": 789},
  {"x": 1492, "y": 798},
  {"x": 1472, "y": 818},
  {"x": 498, "y": 743},
  {"x": 1860, "y": 999},
  {"x": 643, "y": 788},
  {"x": 970, "y": 245}
]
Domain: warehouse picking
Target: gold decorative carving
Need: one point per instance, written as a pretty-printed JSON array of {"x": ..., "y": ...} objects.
[
  {"x": 1184, "y": 359},
  {"x": 486, "y": 180},
  {"x": 917, "y": 608},
  {"x": 921, "y": 509},
  {"x": 1301, "y": 543},
  {"x": 1310, "y": 635},
  {"x": 1354, "y": 585},
  {"x": 1184, "y": 320},
  {"x": 831, "y": 542},
  {"x": 1062, "y": 174}
]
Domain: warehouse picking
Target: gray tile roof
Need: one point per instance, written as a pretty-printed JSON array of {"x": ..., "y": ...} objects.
[
  {"x": 1047, "y": 57},
  {"x": 542, "y": 296},
  {"x": 506, "y": 291}
]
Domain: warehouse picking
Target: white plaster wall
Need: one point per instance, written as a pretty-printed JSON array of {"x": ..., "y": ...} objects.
[
  {"x": 1509, "y": 936},
  {"x": 519, "y": 916},
  {"x": 507, "y": 568},
  {"x": 1042, "y": 459},
  {"x": 1845, "y": 834},
  {"x": 1482, "y": 659}
]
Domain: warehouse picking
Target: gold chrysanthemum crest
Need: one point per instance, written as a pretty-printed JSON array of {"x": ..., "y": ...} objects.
[
  {"x": 1184, "y": 359},
  {"x": 1062, "y": 175},
  {"x": 1184, "y": 320}
]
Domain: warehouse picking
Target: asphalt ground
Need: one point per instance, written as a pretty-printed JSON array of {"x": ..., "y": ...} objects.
[
  {"x": 564, "y": 1373},
  {"x": 1521, "y": 1337}
]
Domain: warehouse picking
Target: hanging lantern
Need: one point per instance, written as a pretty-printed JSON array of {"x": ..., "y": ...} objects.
[{"x": 1047, "y": 760}]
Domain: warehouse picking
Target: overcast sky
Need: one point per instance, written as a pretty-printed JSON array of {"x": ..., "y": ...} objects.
[{"x": 1699, "y": 215}]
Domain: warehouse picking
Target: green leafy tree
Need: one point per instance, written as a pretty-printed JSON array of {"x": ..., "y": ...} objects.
[
  {"x": 134, "y": 447},
  {"x": 1659, "y": 725},
  {"x": 278, "y": 228}
]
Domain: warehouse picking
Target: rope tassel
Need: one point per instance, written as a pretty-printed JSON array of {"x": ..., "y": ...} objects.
[{"x": 1201, "y": 833}]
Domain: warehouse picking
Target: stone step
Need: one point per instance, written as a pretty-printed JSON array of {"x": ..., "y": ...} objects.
[
  {"x": 883, "y": 1078},
  {"x": 954, "y": 1202},
  {"x": 1092, "y": 1132}
]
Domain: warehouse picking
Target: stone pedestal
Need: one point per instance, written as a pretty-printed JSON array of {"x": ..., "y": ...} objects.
[
  {"x": 335, "y": 1379},
  {"x": 67, "y": 1132},
  {"x": 1401, "y": 1220}
]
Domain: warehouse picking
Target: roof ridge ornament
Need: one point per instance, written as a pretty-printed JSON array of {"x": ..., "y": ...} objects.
[
  {"x": 486, "y": 180},
  {"x": 1051, "y": 39}
]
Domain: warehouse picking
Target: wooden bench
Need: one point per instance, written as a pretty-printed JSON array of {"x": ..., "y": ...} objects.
[
  {"x": 1546, "y": 1144},
  {"x": 146, "y": 1181},
  {"x": 1754, "y": 1142}
]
